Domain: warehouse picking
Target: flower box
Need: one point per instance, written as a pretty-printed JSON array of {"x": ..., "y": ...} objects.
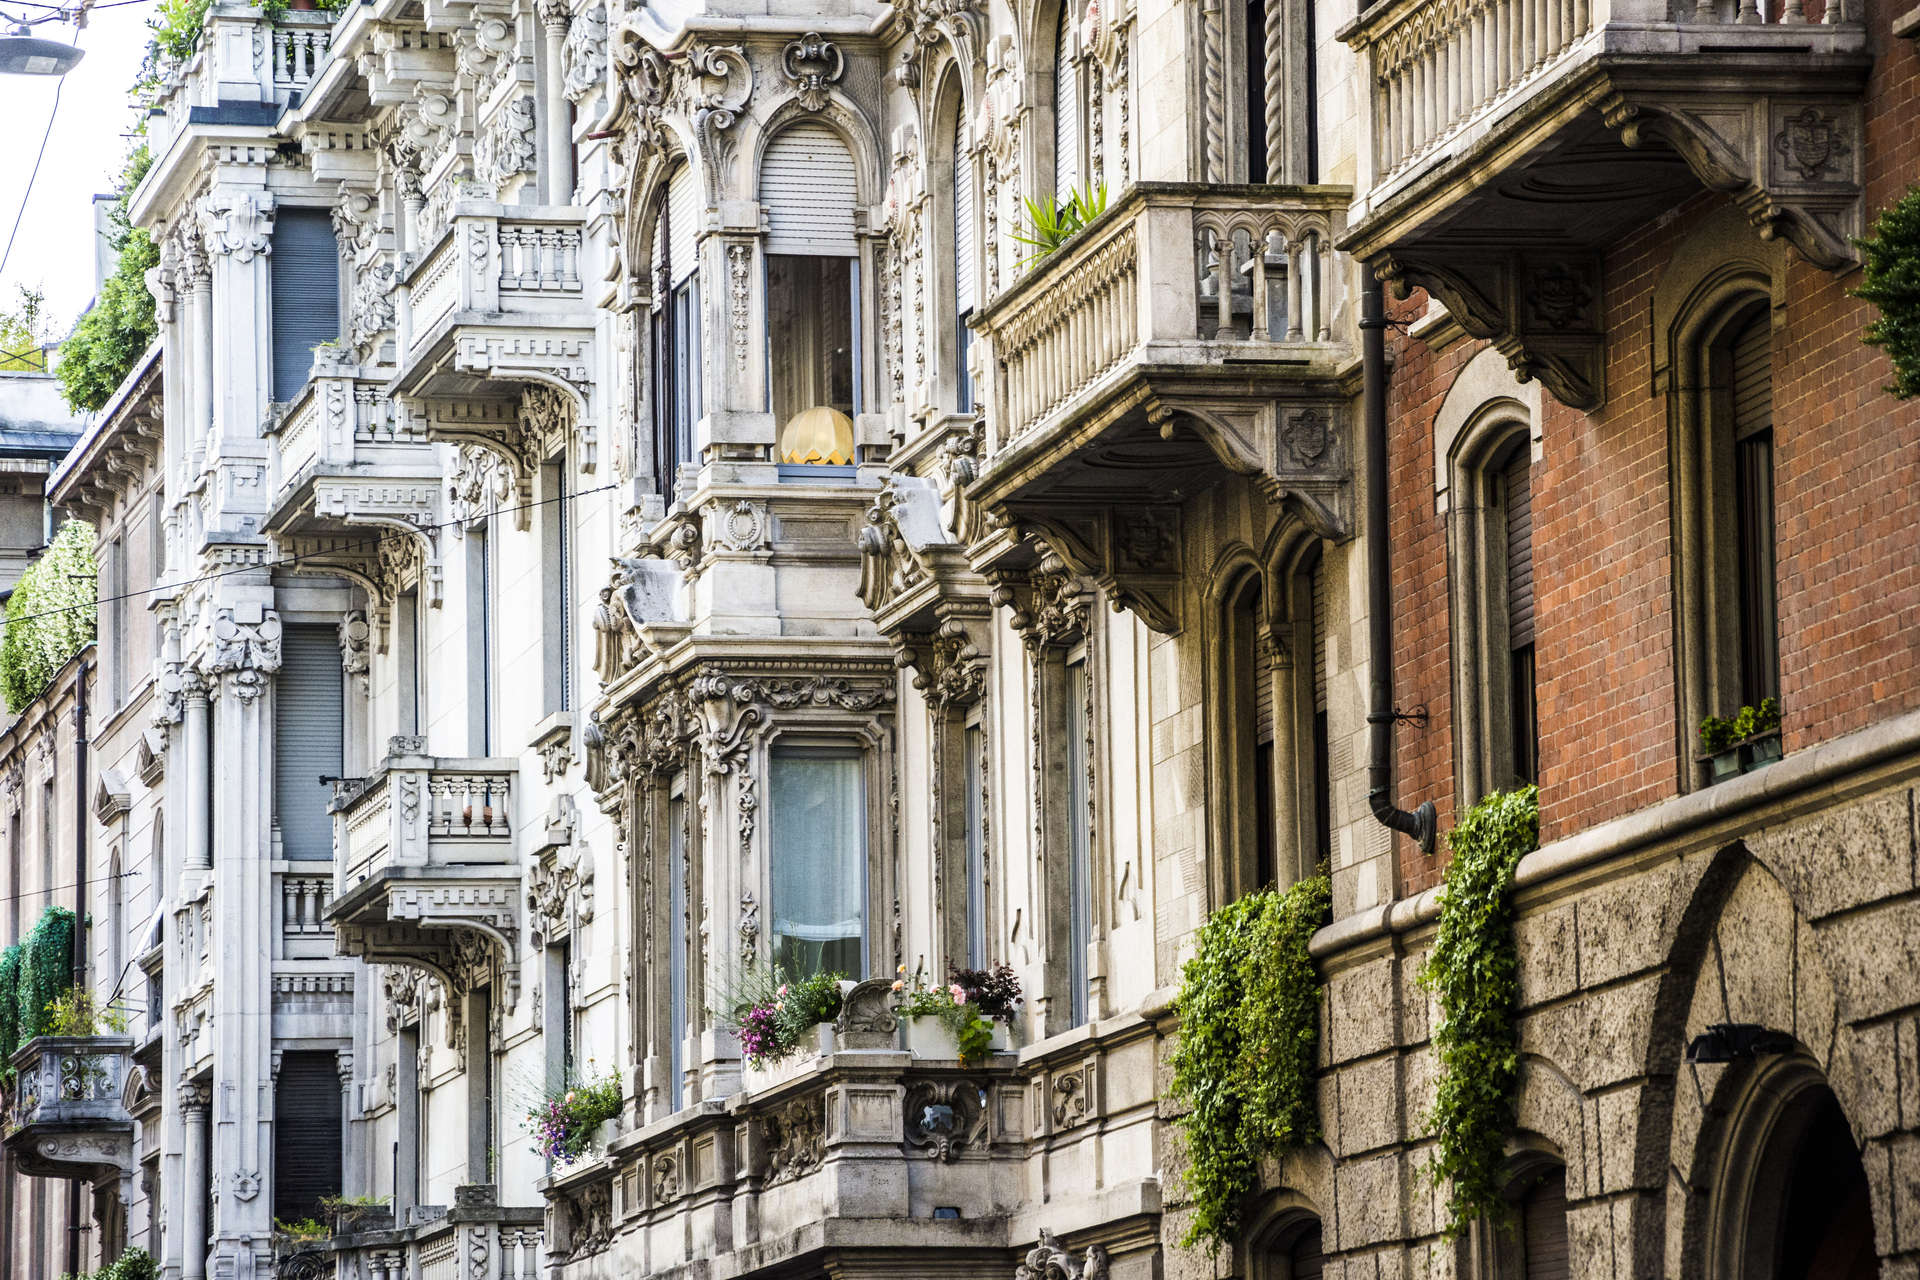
[
  {"x": 1744, "y": 756},
  {"x": 928, "y": 1036},
  {"x": 804, "y": 1059}
]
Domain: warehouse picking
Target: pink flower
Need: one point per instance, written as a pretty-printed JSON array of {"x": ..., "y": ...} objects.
[
  {"x": 782, "y": 991},
  {"x": 958, "y": 992}
]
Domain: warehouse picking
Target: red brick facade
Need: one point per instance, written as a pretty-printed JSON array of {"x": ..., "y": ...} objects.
[{"x": 1846, "y": 476}]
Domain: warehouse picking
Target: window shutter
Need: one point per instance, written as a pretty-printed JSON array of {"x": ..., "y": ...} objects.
[
  {"x": 683, "y": 222},
  {"x": 1519, "y": 484},
  {"x": 1319, "y": 645},
  {"x": 1262, "y": 689},
  {"x": 808, "y": 190},
  {"x": 306, "y": 1133},
  {"x": 1753, "y": 377},
  {"x": 307, "y": 711},
  {"x": 1543, "y": 1227},
  {"x": 963, "y": 255},
  {"x": 304, "y": 274},
  {"x": 1066, "y": 111}
]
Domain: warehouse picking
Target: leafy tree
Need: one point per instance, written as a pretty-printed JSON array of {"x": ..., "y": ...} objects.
[
  {"x": 109, "y": 339},
  {"x": 22, "y": 331}
]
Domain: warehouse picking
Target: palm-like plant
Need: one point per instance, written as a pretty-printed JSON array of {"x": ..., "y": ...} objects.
[{"x": 1051, "y": 224}]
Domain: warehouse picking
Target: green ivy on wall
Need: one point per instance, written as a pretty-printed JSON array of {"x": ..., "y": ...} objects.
[
  {"x": 46, "y": 969},
  {"x": 1891, "y": 282},
  {"x": 50, "y": 616},
  {"x": 108, "y": 340},
  {"x": 1474, "y": 970},
  {"x": 9, "y": 1004},
  {"x": 1244, "y": 1065}
]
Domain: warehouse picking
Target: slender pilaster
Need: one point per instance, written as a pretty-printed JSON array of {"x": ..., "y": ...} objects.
[
  {"x": 192, "y": 1198},
  {"x": 554, "y": 20},
  {"x": 199, "y": 856}
]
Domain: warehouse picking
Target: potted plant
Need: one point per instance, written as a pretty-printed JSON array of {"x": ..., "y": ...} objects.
[
  {"x": 968, "y": 1018},
  {"x": 77, "y": 1012},
  {"x": 566, "y": 1122},
  {"x": 299, "y": 1231},
  {"x": 349, "y": 1214},
  {"x": 784, "y": 1025},
  {"x": 1747, "y": 740}
]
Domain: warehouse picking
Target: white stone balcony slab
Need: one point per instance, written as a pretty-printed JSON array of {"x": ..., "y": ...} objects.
[
  {"x": 1191, "y": 332},
  {"x": 424, "y": 864},
  {"x": 69, "y": 1117},
  {"x": 1510, "y": 142}
]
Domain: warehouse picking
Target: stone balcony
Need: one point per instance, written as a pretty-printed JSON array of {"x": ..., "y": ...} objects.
[
  {"x": 425, "y": 869},
  {"x": 842, "y": 1163},
  {"x": 68, "y": 1117},
  {"x": 1512, "y": 141},
  {"x": 475, "y": 1239},
  {"x": 1190, "y": 332},
  {"x": 346, "y": 464},
  {"x": 244, "y": 70}
]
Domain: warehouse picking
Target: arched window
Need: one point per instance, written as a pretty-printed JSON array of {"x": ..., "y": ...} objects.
[
  {"x": 1291, "y": 1250},
  {"x": 964, "y": 264},
  {"x": 1722, "y": 432},
  {"x": 809, "y": 189},
  {"x": 1491, "y": 588},
  {"x": 1533, "y": 1244},
  {"x": 1068, "y": 114},
  {"x": 676, "y": 328},
  {"x": 1272, "y": 791},
  {"x": 1277, "y": 90}
]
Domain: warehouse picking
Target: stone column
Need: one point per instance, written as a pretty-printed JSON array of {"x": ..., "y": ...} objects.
[
  {"x": 193, "y": 1197},
  {"x": 199, "y": 800},
  {"x": 554, "y": 21},
  {"x": 352, "y": 1175}
]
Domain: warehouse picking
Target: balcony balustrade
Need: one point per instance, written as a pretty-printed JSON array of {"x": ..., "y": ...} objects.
[
  {"x": 1190, "y": 332},
  {"x": 225, "y": 72},
  {"x": 1511, "y": 142},
  {"x": 424, "y": 864},
  {"x": 476, "y": 1239},
  {"x": 68, "y": 1115}
]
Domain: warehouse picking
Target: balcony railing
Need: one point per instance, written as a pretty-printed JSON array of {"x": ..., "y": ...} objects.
[
  {"x": 67, "y": 1118},
  {"x": 1437, "y": 68},
  {"x": 496, "y": 258},
  {"x": 340, "y": 421},
  {"x": 1173, "y": 275},
  {"x": 420, "y": 811},
  {"x": 476, "y": 1239},
  {"x": 297, "y": 55},
  {"x": 227, "y": 68}
]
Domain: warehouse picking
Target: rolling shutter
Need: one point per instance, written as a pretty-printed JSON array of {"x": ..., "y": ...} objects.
[
  {"x": 1543, "y": 1226},
  {"x": 1319, "y": 649},
  {"x": 306, "y": 1133},
  {"x": 1066, "y": 112},
  {"x": 683, "y": 222},
  {"x": 1519, "y": 484},
  {"x": 808, "y": 190},
  {"x": 307, "y": 713},
  {"x": 304, "y": 270},
  {"x": 1753, "y": 377},
  {"x": 963, "y": 254}
]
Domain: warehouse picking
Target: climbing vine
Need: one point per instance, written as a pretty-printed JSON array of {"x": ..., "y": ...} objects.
[
  {"x": 50, "y": 615},
  {"x": 1891, "y": 282},
  {"x": 9, "y": 1005},
  {"x": 1474, "y": 970},
  {"x": 46, "y": 970},
  {"x": 1243, "y": 1068}
]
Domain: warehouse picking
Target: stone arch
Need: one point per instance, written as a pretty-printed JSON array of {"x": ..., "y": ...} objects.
[
  {"x": 1484, "y": 392},
  {"x": 1300, "y": 1203}
]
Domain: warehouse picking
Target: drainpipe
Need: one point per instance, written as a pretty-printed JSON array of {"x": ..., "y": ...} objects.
[
  {"x": 75, "y": 1194},
  {"x": 1381, "y": 713}
]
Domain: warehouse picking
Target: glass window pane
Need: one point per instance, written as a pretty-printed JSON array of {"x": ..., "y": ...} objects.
[
  {"x": 976, "y": 855},
  {"x": 819, "y": 862},
  {"x": 810, "y": 365}
]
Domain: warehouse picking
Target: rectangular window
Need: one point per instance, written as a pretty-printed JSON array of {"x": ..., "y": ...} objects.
[
  {"x": 1753, "y": 515},
  {"x": 307, "y": 739},
  {"x": 304, "y": 283},
  {"x": 811, "y": 317},
  {"x": 114, "y": 593},
  {"x": 556, "y": 584},
  {"x": 1526, "y": 719},
  {"x": 818, "y": 901},
  {"x": 1322, "y": 737},
  {"x": 479, "y": 642},
  {"x": 977, "y": 955},
  {"x": 406, "y": 639},
  {"x": 676, "y": 952},
  {"x": 677, "y": 391},
  {"x": 563, "y": 973},
  {"x": 306, "y": 1133},
  {"x": 1080, "y": 841}
]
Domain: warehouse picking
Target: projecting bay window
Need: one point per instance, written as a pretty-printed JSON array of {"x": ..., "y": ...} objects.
[
  {"x": 817, "y": 803},
  {"x": 809, "y": 188}
]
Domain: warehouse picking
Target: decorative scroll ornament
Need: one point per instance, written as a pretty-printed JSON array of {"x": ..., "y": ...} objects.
[
  {"x": 946, "y": 1117},
  {"x": 709, "y": 84},
  {"x": 584, "y": 56},
  {"x": 238, "y": 223},
  {"x": 812, "y": 63},
  {"x": 796, "y": 1138},
  {"x": 506, "y": 149},
  {"x": 250, "y": 652},
  {"x": 1049, "y": 1260}
]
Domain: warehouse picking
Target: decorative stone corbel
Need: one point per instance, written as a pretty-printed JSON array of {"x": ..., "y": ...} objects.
[{"x": 813, "y": 64}]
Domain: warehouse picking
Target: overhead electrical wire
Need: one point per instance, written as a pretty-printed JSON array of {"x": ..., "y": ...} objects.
[
  {"x": 26, "y": 196},
  {"x": 340, "y": 545}
]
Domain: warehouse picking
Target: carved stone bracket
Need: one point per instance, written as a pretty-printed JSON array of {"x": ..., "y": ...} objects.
[
  {"x": 947, "y": 1118},
  {"x": 924, "y": 597},
  {"x": 813, "y": 64},
  {"x": 1050, "y": 1260},
  {"x": 412, "y": 508},
  {"x": 1133, "y": 555},
  {"x": 1540, "y": 310},
  {"x": 1793, "y": 163}
]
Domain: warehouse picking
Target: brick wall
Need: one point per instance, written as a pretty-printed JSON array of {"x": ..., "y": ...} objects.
[{"x": 1847, "y": 495}]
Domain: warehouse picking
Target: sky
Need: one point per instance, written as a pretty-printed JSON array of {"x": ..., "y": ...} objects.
[{"x": 54, "y": 248}]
